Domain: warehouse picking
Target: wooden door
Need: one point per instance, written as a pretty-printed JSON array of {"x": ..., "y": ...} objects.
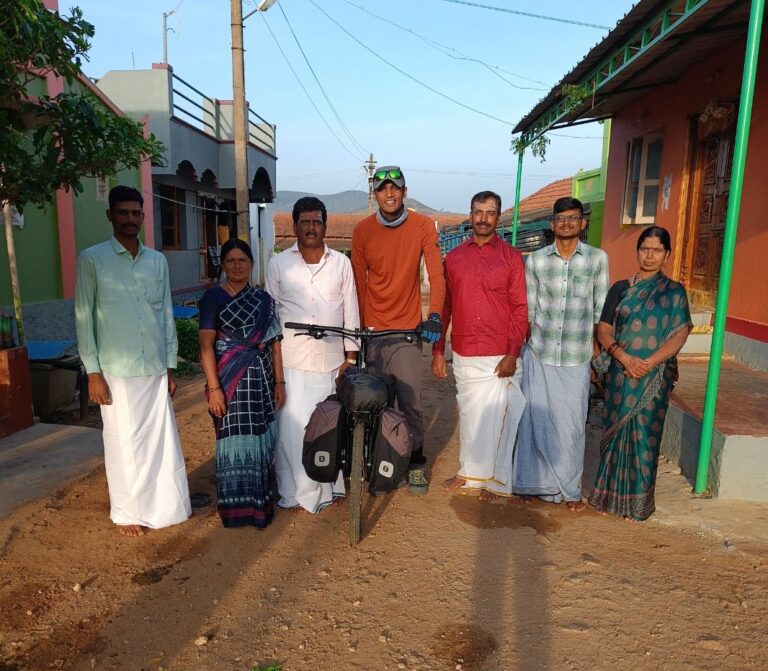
[{"x": 711, "y": 163}]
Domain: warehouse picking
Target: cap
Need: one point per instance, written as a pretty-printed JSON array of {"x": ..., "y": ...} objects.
[{"x": 388, "y": 173}]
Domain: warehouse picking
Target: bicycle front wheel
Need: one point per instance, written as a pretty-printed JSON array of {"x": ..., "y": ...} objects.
[{"x": 356, "y": 483}]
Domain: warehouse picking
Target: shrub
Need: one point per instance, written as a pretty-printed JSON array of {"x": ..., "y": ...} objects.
[{"x": 189, "y": 346}]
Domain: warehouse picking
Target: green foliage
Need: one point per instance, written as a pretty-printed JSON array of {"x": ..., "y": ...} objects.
[
  {"x": 267, "y": 667},
  {"x": 189, "y": 345},
  {"x": 538, "y": 146},
  {"x": 574, "y": 94},
  {"x": 48, "y": 142}
]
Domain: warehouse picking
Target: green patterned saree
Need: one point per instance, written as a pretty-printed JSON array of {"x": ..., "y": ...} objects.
[{"x": 648, "y": 314}]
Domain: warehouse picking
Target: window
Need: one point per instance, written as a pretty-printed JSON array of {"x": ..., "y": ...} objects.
[
  {"x": 171, "y": 215},
  {"x": 643, "y": 179}
]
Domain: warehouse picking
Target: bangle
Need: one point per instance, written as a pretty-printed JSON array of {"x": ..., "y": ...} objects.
[
  {"x": 210, "y": 389},
  {"x": 612, "y": 348},
  {"x": 352, "y": 362}
]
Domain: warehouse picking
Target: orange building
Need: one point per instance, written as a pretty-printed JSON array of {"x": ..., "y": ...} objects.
[{"x": 669, "y": 77}]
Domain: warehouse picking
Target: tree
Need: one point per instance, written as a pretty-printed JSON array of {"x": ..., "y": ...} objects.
[
  {"x": 48, "y": 142},
  {"x": 51, "y": 142}
]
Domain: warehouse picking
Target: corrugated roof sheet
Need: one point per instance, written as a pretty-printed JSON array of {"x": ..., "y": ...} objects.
[{"x": 715, "y": 24}]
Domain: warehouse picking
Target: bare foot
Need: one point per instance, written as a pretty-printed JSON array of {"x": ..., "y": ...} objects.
[
  {"x": 454, "y": 483},
  {"x": 298, "y": 510},
  {"x": 486, "y": 495},
  {"x": 131, "y": 529},
  {"x": 575, "y": 506},
  {"x": 527, "y": 499},
  {"x": 627, "y": 518}
]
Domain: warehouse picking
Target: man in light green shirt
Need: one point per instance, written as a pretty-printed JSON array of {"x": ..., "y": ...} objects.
[{"x": 127, "y": 342}]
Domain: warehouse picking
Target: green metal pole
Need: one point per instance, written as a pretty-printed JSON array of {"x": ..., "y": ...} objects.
[
  {"x": 729, "y": 241},
  {"x": 517, "y": 195}
]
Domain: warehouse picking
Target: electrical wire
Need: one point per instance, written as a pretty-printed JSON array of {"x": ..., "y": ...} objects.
[
  {"x": 578, "y": 137},
  {"x": 303, "y": 88},
  {"x": 404, "y": 73},
  {"x": 456, "y": 54},
  {"x": 346, "y": 130},
  {"x": 319, "y": 174},
  {"x": 468, "y": 173},
  {"x": 533, "y": 16}
]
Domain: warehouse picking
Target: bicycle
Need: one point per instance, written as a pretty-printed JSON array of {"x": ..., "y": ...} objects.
[{"x": 362, "y": 421}]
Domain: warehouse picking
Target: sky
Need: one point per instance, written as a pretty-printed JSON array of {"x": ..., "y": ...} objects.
[{"x": 375, "y": 94}]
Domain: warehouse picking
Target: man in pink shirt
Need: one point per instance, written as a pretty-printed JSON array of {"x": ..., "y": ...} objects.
[
  {"x": 314, "y": 284},
  {"x": 486, "y": 304}
]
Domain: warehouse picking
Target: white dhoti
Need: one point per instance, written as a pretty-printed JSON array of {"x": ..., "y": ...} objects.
[
  {"x": 490, "y": 408},
  {"x": 146, "y": 475},
  {"x": 303, "y": 391}
]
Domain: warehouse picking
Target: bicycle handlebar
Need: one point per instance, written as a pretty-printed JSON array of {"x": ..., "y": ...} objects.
[{"x": 318, "y": 331}]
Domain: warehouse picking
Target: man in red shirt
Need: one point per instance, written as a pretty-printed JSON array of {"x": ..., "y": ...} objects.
[{"x": 487, "y": 305}]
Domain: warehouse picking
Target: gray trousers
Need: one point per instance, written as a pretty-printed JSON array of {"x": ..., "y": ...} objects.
[{"x": 399, "y": 363}]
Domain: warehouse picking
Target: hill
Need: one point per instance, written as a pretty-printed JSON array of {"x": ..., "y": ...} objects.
[{"x": 346, "y": 201}]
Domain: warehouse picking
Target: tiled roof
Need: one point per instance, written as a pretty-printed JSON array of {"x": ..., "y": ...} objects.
[
  {"x": 543, "y": 199},
  {"x": 339, "y": 232}
]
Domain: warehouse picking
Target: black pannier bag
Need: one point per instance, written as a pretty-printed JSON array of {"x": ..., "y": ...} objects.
[
  {"x": 325, "y": 441},
  {"x": 391, "y": 455},
  {"x": 362, "y": 392}
]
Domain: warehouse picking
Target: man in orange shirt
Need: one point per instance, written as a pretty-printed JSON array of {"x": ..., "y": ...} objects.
[{"x": 387, "y": 248}]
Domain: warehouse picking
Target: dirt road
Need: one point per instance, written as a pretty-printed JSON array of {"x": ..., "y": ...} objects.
[{"x": 439, "y": 582}]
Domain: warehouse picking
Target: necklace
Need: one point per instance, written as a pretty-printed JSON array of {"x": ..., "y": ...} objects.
[{"x": 230, "y": 289}]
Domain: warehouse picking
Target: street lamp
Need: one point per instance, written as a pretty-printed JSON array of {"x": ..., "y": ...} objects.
[{"x": 240, "y": 121}]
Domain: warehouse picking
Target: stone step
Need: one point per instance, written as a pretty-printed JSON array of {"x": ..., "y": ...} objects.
[
  {"x": 698, "y": 343},
  {"x": 738, "y": 464},
  {"x": 702, "y": 319}
]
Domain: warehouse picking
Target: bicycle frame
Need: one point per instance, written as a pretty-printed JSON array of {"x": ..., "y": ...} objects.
[{"x": 363, "y": 422}]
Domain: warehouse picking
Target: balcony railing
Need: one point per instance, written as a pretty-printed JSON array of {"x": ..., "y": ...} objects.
[{"x": 200, "y": 111}]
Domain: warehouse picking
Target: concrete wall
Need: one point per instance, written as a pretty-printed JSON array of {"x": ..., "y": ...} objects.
[
  {"x": 183, "y": 268},
  {"x": 749, "y": 351},
  {"x": 669, "y": 109},
  {"x": 139, "y": 92},
  {"x": 37, "y": 258}
]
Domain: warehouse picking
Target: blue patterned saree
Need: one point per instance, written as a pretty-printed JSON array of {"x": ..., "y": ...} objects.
[{"x": 246, "y": 436}]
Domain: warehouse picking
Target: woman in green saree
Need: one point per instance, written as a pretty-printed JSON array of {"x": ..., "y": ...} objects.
[{"x": 644, "y": 324}]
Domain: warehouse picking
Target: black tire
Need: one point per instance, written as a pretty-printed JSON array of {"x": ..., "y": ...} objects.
[{"x": 356, "y": 483}]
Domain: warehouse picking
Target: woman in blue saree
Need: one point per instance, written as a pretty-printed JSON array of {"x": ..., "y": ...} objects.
[
  {"x": 240, "y": 352},
  {"x": 644, "y": 324}
]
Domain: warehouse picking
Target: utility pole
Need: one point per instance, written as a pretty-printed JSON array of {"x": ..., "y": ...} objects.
[
  {"x": 371, "y": 165},
  {"x": 240, "y": 124},
  {"x": 166, "y": 29},
  {"x": 165, "y": 35}
]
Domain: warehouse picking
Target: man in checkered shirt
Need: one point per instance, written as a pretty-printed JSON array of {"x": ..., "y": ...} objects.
[{"x": 566, "y": 283}]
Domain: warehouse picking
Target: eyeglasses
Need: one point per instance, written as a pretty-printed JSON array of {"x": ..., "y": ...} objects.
[
  {"x": 570, "y": 219},
  {"x": 392, "y": 173},
  {"x": 651, "y": 250}
]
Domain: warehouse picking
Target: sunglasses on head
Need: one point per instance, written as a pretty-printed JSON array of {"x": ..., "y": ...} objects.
[{"x": 392, "y": 173}]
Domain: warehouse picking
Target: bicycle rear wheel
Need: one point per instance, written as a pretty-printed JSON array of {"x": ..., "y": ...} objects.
[{"x": 356, "y": 483}]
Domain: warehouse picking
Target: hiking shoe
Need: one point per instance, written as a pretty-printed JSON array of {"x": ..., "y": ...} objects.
[{"x": 417, "y": 481}]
